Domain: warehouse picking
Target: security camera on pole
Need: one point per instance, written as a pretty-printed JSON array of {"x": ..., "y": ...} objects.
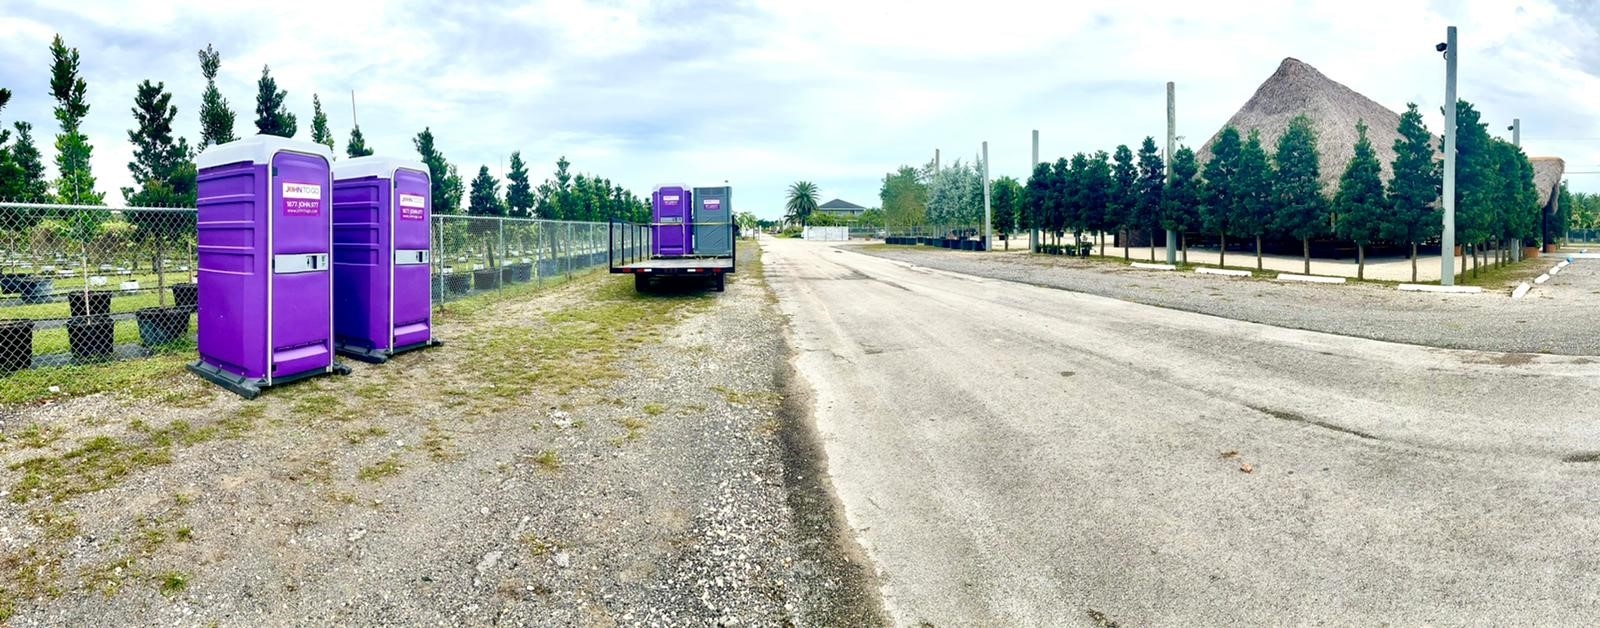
[{"x": 1447, "y": 240}]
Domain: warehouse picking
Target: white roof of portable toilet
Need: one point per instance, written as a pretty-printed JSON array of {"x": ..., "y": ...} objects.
[
  {"x": 258, "y": 149},
  {"x": 682, "y": 186},
  {"x": 375, "y": 166}
]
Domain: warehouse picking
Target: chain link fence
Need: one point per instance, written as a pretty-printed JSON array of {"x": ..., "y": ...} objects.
[
  {"x": 1583, "y": 236},
  {"x": 82, "y": 284}
]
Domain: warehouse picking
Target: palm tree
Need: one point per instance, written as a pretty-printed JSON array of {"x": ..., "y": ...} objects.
[{"x": 802, "y": 201}]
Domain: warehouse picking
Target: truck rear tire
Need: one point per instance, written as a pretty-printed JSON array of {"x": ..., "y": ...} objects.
[
  {"x": 641, "y": 283},
  {"x": 720, "y": 283}
]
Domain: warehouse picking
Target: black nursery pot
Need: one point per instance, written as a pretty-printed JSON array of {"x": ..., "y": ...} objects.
[
  {"x": 186, "y": 295},
  {"x": 486, "y": 279},
  {"x": 91, "y": 337},
  {"x": 89, "y": 304},
  {"x": 16, "y": 345},
  {"x": 162, "y": 326}
]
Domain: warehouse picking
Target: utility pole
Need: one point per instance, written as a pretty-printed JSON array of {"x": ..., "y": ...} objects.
[
  {"x": 1033, "y": 233},
  {"x": 1516, "y": 140},
  {"x": 1172, "y": 139},
  {"x": 1447, "y": 241},
  {"x": 936, "y": 162},
  {"x": 988, "y": 222},
  {"x": 353, "y": 122}
]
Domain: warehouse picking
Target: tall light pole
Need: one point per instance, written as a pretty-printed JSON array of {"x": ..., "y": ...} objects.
[
  {"x": 1516, "y": 140},
  {"x": 988, "y": 223},
  {"x": 1172, "y": 138},
  {"x": 1447, "y": 241},
  {"x": 1033, "y": 233}
]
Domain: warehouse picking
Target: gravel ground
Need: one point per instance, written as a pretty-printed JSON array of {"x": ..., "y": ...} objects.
[
  {"x": 1557, "y": 318},
  {"x": 664, "y": 498}
]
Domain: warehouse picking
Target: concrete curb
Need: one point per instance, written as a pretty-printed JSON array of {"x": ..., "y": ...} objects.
[
  {"x": 1416, "y": 287},
  {"x": 1521, "y": 291},
  {"x": 1223, "y": 271},
  {"x": 1309, "y": 278},
  {"x": 1555, "y": 271},
  {"x": 1584, "y": 255},
  {"x": 1149, "y": 266},
  {"x": 1541, "y": 279}
]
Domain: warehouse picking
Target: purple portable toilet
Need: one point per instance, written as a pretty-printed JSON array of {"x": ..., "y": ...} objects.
[
  {"x": 382, "y": 304},
  {"x": 265, "y": 290},
  {"x": 671, "y": 221}
]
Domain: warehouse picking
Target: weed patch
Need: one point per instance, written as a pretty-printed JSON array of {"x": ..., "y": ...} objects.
[{"x": 387, "y": 467}]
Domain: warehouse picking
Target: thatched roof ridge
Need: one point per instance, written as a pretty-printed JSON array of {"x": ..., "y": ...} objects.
[
  {"x": 1547, "y": 173},
  {"x": 1297, "y": 88}
]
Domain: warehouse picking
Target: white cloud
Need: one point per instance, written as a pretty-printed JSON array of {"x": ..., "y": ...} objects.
[{"x": 765, "y": 92}]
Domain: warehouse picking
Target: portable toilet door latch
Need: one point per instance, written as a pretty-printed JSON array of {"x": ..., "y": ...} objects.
[
  {"x": 411, "y": 257},
  {"x": 299, "y": 263}
]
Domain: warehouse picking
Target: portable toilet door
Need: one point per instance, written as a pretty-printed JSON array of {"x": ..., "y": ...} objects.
[
  {"x": 265, "y": 234},
  {"x": 713, "y": 222},
  {"x": 382, "y": 299},
  {"x": 671, "y": 221}
]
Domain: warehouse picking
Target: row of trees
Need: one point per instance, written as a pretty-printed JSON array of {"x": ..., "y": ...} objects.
[
  {"x": 563, "y": 196},
  {"x": 1243, "y": 192},
  {"x": 164, "y": 172}
]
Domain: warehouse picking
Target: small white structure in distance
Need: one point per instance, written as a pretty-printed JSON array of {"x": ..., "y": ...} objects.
[{"x": 826, "y": 234}]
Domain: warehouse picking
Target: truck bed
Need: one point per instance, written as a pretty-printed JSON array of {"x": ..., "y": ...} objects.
[{"x": 677, "y": 265}]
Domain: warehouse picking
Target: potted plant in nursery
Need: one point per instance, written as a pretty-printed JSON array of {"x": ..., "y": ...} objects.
[
  {"x": 46, "y": 238},
  {"x": 157, "y": 229},
  {"x": 91, "y": 334}
]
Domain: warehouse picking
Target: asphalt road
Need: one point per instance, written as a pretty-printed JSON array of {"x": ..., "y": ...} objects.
[{"x": 1016, "y": 455}]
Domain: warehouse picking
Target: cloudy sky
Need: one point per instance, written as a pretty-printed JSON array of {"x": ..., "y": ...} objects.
[{"x": 765, "y": 92}]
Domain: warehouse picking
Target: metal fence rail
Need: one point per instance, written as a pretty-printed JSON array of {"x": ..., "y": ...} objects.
[{"x": 89, "y": 284}]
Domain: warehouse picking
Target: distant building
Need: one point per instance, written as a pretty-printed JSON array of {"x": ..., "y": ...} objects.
[{"x": 839, "y": 208}]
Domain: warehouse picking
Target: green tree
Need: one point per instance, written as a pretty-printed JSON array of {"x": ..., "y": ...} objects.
[
  {"x": 163, "y": 168},
  {"x": 1253, "y": 192},
  {"x": 519, "y": 193},
  {"x": 216, "y": 118},
  {"x": 1152, "y": 183},
  {"x": 272, "y": 110},
  {"x": 1005, "y": 201},
  {"x": 75, "y": 185},
  {"x": 357, "y": 146},
  {"x": 802, "y": 201},
  {"x": 484, "y": 199},
  {"x": 1097, "y": 188},
  {"x": 904, "y": 198},
  {"x": 319, "y": 126},
  {"x": 1360, "y": 202},
  {"x": 1074, "y": 204},
  {"x": 28, "y": 183},
  {"x": 1563, "y": 216},
  {"x": 1413, "y": 188},
  {"x": 446, "y": 184},
  {"x": 1180, "y": 203},
  {"x": 1520, "y": 214},
  {"x": 562, "y": 198},
  {"x": 1479, "y": 187},
  {"x": 1057, "y": 204},
  {"x": 1299, "y": 210},
  {"x": 10, "y": 173},
  {"x": 1124, "y": 195},
  {"x": 1218, "y": 204},
  {"x": 1036, "y": 198}
]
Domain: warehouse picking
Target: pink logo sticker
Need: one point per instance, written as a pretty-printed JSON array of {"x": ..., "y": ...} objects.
[
  {"x": 302, "y": 199},
  {"x": 412, "y": 207}
]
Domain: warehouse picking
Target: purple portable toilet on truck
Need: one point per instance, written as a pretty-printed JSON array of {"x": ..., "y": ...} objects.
[
  {"x": 265, "y": 286},
  {"x": 671, "y": 221},
  {"x": 382, "y": 304}
]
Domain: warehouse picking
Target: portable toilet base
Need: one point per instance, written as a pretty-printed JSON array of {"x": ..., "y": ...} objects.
[
  {"x": 379, "y": 356},
  {"x": 251, "y": 388}
]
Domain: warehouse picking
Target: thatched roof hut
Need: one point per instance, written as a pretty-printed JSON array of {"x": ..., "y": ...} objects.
[
  {"x": 1547, "y": 173},
  {"x": 1296, "y": 89}
]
